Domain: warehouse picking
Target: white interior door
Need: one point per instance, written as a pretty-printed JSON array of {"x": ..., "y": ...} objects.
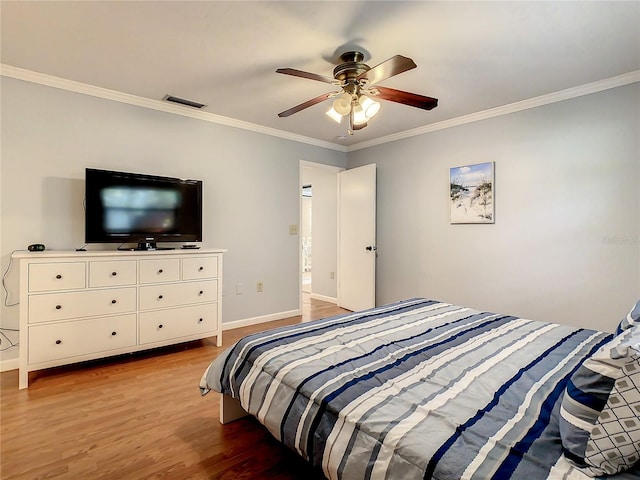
[{"x": 357, "y": 238}]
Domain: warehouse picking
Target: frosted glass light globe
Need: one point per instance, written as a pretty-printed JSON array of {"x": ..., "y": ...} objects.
[{"x": 342, "y": 104}]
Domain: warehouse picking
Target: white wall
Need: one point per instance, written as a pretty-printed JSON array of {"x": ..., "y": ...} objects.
[
  {"x": 251, "y": 185},
  {"x": 565, "y": 246},
  {"x": 566, "y": 243}
]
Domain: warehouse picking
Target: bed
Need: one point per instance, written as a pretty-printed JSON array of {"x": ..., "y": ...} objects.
[{"x": 421, "y": 389}]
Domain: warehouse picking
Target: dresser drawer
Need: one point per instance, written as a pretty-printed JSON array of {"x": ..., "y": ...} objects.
[
  {"x": 113, "y": 274},
  {"x": 44, "y": 277},
  {"x": 174, "y": 294},
  {"x": 196, "y": 268},
  {"x": 160, "y": 270},
  {"x": 163, "y": 325},
  {"x": 81, "y": 337},
  {"x": 62, "y": 306}
]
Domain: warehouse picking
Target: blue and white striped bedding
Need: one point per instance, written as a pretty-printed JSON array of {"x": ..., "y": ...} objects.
[{"x": 413, "y": 390}]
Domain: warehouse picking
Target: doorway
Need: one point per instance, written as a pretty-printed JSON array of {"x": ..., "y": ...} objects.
[
  {"x": 306, "y": 233},
  {"x": 318, "y": 232},
  {"x": 337, "y": 218}
]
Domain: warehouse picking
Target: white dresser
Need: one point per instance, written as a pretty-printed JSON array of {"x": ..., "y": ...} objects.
[{"x": 77, "y": 306}]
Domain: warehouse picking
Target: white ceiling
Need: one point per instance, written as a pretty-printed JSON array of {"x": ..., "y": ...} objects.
[{"x": 472, "y": 56}]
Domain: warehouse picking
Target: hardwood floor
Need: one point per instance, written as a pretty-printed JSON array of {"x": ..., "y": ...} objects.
[{"x": 139, "y": 416}]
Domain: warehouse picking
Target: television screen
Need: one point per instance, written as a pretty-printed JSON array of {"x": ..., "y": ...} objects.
[{"x": 145, "y": 209}]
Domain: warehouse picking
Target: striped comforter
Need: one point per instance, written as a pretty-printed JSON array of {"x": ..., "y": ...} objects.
[{"x": 413, "y": 390}]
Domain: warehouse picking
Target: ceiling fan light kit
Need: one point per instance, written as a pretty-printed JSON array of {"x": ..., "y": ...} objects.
[
  {"x": 363, "y": 108},
  {"x": 355, "y": 80}
]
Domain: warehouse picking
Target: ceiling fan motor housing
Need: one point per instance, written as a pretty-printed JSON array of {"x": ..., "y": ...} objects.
[{"x": 348, "y": 71}]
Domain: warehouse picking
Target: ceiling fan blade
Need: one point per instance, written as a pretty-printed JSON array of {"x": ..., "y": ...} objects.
[
  {"x": 310, "y": 76},
  {"x": 406, "y": 98},
  {"x": 393, "y": 66},
  {"x": 306, "y": 104}
]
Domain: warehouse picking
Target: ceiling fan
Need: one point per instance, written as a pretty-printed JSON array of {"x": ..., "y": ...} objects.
[{"x": 357, "y": 91}]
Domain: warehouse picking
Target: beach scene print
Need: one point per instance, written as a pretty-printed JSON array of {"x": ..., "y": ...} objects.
[{"x": 471, "y": 193}]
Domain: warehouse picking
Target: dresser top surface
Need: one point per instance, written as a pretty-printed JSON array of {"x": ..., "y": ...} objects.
[{"x": 25, "y": 254}]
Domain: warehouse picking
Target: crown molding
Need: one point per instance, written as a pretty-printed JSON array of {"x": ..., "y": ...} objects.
[
  {"x": 559, "y": 96},
  {"x": 86, "y": 89}
]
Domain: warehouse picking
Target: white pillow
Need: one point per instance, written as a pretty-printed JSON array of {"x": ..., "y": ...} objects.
[{"x": 600, "y": 412}]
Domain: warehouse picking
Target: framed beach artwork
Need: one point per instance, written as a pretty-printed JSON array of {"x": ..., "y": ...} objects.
[{"x": 471, "y": 193}]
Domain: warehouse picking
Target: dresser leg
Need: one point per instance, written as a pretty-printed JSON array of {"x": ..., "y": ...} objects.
[{"x": 23, "y": 377}]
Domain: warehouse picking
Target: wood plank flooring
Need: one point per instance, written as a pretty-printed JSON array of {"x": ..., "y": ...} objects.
[{"x": 139, "y": 416}]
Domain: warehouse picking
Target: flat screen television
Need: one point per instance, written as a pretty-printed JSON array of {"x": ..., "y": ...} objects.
[{"x": 127, "y": 207}]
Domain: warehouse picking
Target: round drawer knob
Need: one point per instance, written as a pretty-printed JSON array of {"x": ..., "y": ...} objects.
[
  {"x": 200, "y": 320},
  {"x": 200, "y": 292},
  {"x": 114, "y": 301},
  {"x": 58, "y": 342},
  {"x": 113, "y": 274},
  {"x": 200, "y": 269},
  {"x": 58, "y": 307},
  {"x": 114, "y": 334},
  {"x": 160, "y": 297},
  {"x": 160, "y": 271},
  {"x": 58, "y": 276},
  {"x": 160, "y": 326}
]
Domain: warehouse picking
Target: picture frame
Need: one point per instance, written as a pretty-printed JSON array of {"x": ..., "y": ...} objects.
[{"x": 472, "y": 193}]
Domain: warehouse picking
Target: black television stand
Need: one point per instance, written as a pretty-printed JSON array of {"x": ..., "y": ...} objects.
[
  {"x": 144, "y": 246},
  {"x": 147, "y": 246}
]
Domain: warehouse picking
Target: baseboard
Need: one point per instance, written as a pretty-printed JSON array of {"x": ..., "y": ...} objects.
[
  {"x": 324, "y": 298},
  {"x": 261, "y": 319},
  {"x": 10, "y": 364}
]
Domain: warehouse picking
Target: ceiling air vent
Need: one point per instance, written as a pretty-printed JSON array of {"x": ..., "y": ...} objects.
[{"x": 183, "y": 101}]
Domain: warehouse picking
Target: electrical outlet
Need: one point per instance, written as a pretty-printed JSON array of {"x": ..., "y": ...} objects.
[
  {"x": 259, "y": 287},
  {"x": 239, "y": 289},
  {"x": 332, "y": 275},
  {"x": 293, "y": 229}
]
